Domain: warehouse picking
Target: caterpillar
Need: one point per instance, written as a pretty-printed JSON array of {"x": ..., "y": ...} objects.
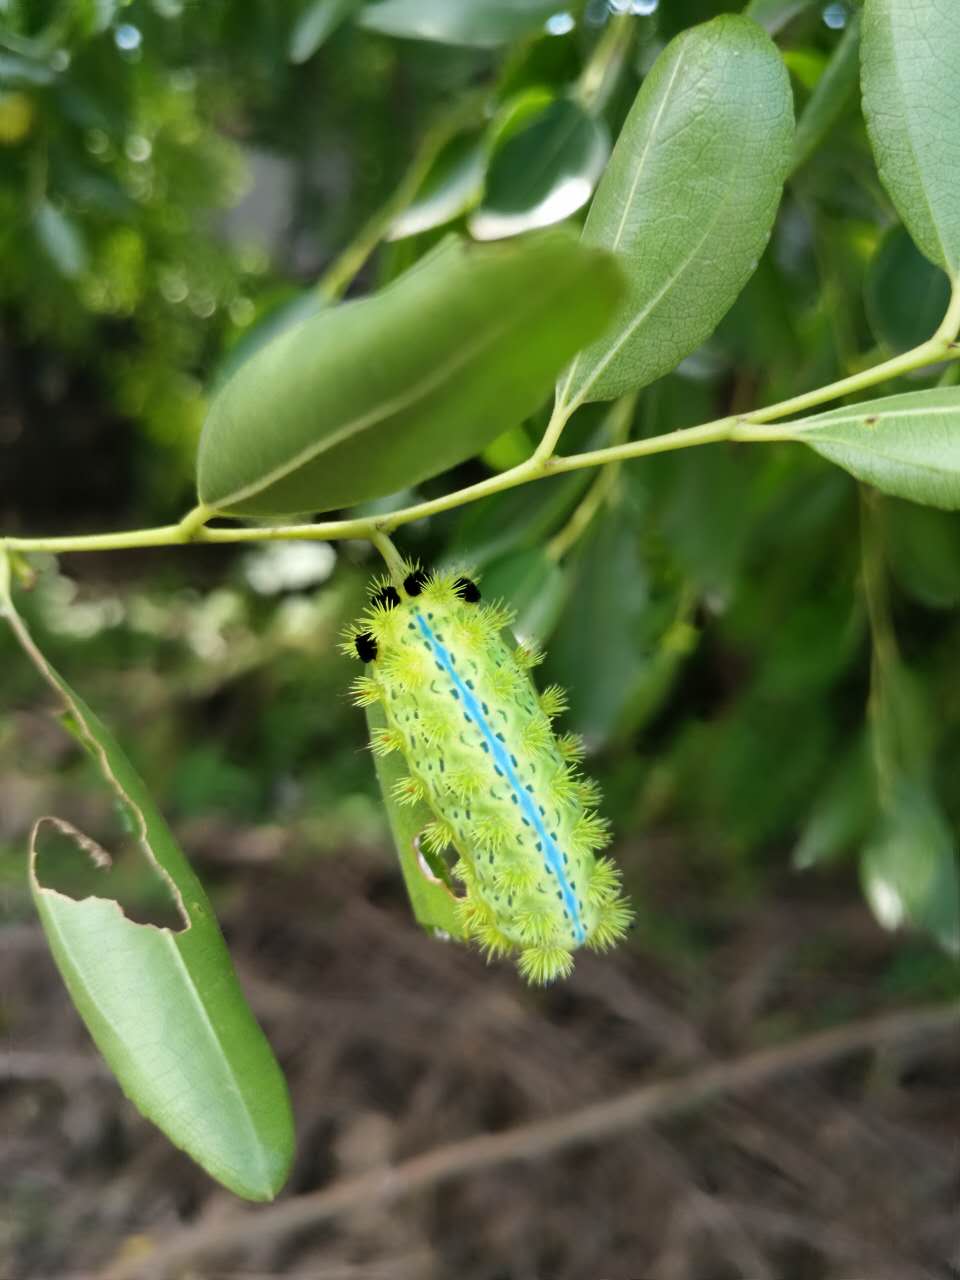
[{"x": 503, "y": 788}]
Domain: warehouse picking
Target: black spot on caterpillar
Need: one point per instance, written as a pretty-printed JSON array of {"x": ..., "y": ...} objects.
[
  {"x": 467, "y": 590},
  {"x": 365, "y": 646}
]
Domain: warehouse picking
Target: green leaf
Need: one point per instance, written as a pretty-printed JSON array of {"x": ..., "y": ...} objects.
[
  {"x": 907, "y": 445},
  {"x": 898, "y": 270},
  {"x": 371, "y": 396},
  {"x": 833, "y": 92},
  {"x": 843, "y": 812},
  {"x": 776, "y": 14},
  {"x": 432, "y": 900},
  {"x": 163, "y": 1005},
  {"x": 534, "y": 585},
  {"x": 911, "y": 100},
  {"x": 316, "y": 22},
  {"x": 910, "y": 872},
  {"x": 923, "y": 548},
  {"x": 453, "y": 185},
  {"x": 543, "y": 173},
  {"x": 480, "y": 23},
  {"x": 61, "y": 239},
  {"x": 687, "y": 201}
]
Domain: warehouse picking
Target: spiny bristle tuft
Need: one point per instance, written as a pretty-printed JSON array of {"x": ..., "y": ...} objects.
[
  {"x": 407, "y": 790},
  {"x": 536, "y": 735},
  {"x": 436, "y": 836},
  {"x": 554, "y": 701},
  {"x": 591, "y": 831},
  {"x": 406, "y": 667},
  {"x": 536, "y": 925},
  {"x": 604, "y": 883},
  {"x": 611, "y": 927},
  {"x": 492, "y": 942},
  {"x": 491, "y": 831},
  {"x": 572, "y": 747},
  {"x": 364, "y": 691},
  {"x": 544, "y": 964},
  {"x": 385, "y": 741},
  {"x": 514, "y": 877},
  {"x": 462, "y": 782},
  {"x": 528, "y": 655}
]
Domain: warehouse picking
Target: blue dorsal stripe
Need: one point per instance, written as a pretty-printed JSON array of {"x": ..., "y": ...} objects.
[{"x": 521, "y": 796}]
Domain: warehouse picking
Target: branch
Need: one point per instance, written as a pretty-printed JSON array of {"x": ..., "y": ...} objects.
[{"x": 536, "y": 1141}]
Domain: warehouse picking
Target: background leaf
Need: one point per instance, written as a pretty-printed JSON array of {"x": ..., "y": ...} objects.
[
  {"x": 372, "y": 396},
  {"x": 453, "y": 185},
  {"x": 482, "y": 23},
  {"x": 315, "y": 23},
  {"x": 687, "y": 200},
  {"x": 544, "y": 172},
  {"x": 164, "y": 1006},
  {"x": 911, "y": 100},
  {"x": 831, "y": 94},
  {"x": 906, "y": 445},
  {"x": 906, "y": 295},
  {"x": 774, "y": 15}
]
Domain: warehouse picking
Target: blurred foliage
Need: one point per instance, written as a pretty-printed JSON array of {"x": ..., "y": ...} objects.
[{"x": 710, "y": 619}]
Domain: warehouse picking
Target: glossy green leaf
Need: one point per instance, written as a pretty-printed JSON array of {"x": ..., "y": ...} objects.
[
  {"x": 315, "y": 23},
  {"x": 164, "y": 1005},
  {"x": 907, "y": 445},
  {"x": 532, "y": 584},
  {"x": 687, "y": 201},
  {"x": 911, "y": 872},
  {"x": 600, "y": 651},
  {"x": 453, "y": 185},
  {"x": 911, "y": 99},
  {"x": 61, "y": 239},
  {"x": 432, "y": 900},
  {"x": 774, "y": 15},
  {"x": 371, "y": 396},
  {"x": 923, "y": 549},
  {"x": 905, "y": 294},
  {"x": 833, "y": 91},
  {"x": 543, "y": 173},
  {"x": 481, "y": 23}
]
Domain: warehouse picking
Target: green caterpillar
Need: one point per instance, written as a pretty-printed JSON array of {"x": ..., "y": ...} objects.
[{"x": 503, "y": 788}]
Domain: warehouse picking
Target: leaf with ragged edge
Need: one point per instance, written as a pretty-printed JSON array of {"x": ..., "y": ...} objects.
[
  {"x": 906, "y": 445},
  {"x": 481, "y": 23},
  {"x": 432, "y": 899},
  {"x": 163, "y": 1005},
  {"x": 687, "y": 201},
  {"x": 911, "y": 100},
  {"x": 371, "y": 396},
  {"x": 542, "y": 173}
]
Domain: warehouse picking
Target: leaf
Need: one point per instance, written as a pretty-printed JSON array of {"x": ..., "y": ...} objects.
[
  {"x": 774, "y": 15},
  {"x": 910, "y": 872},
  {"x": 831, "y": 95},
  {"x": 481, "y": 23},
  {"x": 534, "y": 585},
  {"x": 432, "y": 902},
  {"x": 911, "y": 100},
  {"x": 687, "y": 201},
  {"x": 371, "y": 396},
  {"x": 542, "y": 173},
  {"x": 923, "y": 547},
  {"x": 898, "y": 270},
  {"x": 843, "y": 812},
  {"x": 61, "y": 240},
  {"x": 906, "y": 445},
  {"x": 453, "y": 185},
  {"x": 316, "y": 22},
  {"x": 164, "y": 1006}
]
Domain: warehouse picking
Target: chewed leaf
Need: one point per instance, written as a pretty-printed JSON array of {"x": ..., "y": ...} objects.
[{"x": 163, "y": 1003}]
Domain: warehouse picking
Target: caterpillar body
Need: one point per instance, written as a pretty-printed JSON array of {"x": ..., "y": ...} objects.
[{"x": 503, "y": 789}]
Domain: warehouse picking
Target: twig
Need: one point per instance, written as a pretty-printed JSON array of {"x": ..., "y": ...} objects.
[{"x": 535, "y": 1141}]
